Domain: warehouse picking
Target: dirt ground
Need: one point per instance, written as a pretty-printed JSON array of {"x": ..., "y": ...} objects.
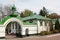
[{"x": 48, "y": 37}]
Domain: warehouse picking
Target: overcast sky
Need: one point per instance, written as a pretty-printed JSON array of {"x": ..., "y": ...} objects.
[{"x": 35, "y": 5}]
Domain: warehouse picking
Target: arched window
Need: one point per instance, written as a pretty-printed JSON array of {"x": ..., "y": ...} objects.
[{"x": 41, "y": 23}]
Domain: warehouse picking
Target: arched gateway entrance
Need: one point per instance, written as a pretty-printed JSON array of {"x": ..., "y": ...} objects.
[{"x": 13, "y": 27}]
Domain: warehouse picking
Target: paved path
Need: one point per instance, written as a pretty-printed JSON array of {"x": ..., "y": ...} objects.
[{"x": 48, "y": 37}]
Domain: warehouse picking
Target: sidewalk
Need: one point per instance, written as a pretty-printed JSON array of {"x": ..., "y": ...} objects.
[{"x": 47, "y": 37}]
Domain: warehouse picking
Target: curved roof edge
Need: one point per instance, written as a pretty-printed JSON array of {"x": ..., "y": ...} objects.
[
  {"x": 39, "y": 17},
  {"x": 8, "y": 17}
]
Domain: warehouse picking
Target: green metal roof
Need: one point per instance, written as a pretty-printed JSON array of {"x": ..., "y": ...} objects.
[
  {"x": 18, "y": 17},
  {"x": 8, "y": 17},
  {"x": 53, "y": 21},
  {"x": 36, "y": 17},
  {"x": 27, "y": 18}
]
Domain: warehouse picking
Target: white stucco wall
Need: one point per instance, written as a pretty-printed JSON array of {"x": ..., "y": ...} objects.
[
  {"x": 2, "y": 31},
  {"x": 41, "y": 28},
  {"x": 32, "y": 29}
]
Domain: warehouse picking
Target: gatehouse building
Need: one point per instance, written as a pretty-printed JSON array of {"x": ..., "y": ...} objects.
[{"x": 13, "y": 24}]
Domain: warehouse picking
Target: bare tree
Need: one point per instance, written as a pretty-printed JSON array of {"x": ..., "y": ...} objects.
[
  {"x": 8, "y": 9},
  {"x": 5, "y": 10},
  {"x": 1, "y": 11}
]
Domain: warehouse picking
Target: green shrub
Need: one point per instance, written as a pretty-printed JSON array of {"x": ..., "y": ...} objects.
[
  {"x": 59, "y": 30},
  {"x": 48, "y": 33},
  {"x": 45, "y": 33},
  {"x": 55, "y": 31},
  {"x": 51, "y": 32}
]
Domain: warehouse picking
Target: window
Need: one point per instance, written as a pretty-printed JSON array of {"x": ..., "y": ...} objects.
[
  {"x": 41, "y": 23},
  {"x": 24, "y": 21},
  {"x": 45, "y": 23},
  {"x": 13, "y": 25},
  {"x": 16, "y": 25},
  {"x": 30, "y": 21}
]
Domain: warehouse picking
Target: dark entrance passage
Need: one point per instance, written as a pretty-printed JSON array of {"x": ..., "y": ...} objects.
[
  {"x": 13, "y": 29},
  {"x": 8, "y": 29}
]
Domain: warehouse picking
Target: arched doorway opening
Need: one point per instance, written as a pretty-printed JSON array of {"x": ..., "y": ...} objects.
[{"x": 13, "y": 29}]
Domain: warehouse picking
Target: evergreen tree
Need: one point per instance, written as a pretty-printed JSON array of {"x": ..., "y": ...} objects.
[
  {"x": 43, "y": 12},
  {"x": 57, "y": 25}
]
